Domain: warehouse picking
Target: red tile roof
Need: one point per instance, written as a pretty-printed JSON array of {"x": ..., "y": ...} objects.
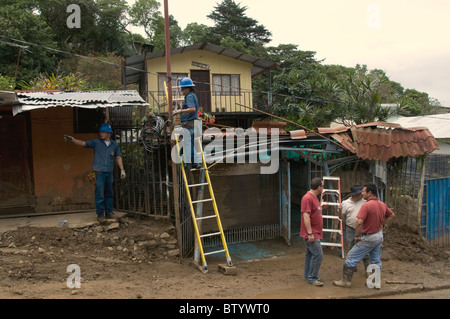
[{"x": 383, "y": 141}]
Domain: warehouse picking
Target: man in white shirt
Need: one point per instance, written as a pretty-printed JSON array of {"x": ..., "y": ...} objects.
[{"x": 350, "y": 208}]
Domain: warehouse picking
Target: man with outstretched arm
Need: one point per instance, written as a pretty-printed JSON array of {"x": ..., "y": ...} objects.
[{"x": 106, "y": 151}]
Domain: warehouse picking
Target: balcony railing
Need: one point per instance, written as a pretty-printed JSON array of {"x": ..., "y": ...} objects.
[{"x": 208, "y": 102}]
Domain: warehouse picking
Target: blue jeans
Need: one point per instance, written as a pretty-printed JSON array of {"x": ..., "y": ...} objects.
[
  {"x": 349, "y": 237},
  {"x": 104, "y": 193},
  {"x": 370, "y": 245},
  {"x": 313, "y": 260}
]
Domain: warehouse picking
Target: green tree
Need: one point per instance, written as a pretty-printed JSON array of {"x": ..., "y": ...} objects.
[
  {"x": 159, "y": 39},
  {"x": 7, "y": 83},
  {"x": 230, "y": 20},
  {"x": 146, "y": 14},
  {"x": 195, "y": 33},
  {"x": 360, "y": 100},
  {"x": 71, "y": 82},
  {"x": 22, "y": 61}
]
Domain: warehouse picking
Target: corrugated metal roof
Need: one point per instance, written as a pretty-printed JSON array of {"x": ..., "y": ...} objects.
[
  {"x": 383, "y": 141},
  {"x": 85, "y": 99},
  {"x": 259, "y": 65},
  {"x": 438, "y": 124}
]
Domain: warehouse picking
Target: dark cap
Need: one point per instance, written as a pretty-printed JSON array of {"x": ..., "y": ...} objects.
[{"x": 356, "y": 190}]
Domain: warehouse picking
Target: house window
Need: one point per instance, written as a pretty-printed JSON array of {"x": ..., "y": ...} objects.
[
  {"x": 226, "y": 84},
  {"x": 162, "y": 77},
  {"x": 87, "y": 120}
]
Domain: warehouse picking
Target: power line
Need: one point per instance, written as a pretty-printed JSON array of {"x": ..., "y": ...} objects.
[{"x": 140, "y": 70}]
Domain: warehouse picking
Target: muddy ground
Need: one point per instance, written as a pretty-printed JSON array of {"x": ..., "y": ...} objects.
[{"x": 138, "y": 258}]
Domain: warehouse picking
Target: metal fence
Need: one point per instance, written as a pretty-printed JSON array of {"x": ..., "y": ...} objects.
[
  {"x": 209, "y": 103},
  {"x": 435, "y": 217},
  {"x": 148, "y": 188}
]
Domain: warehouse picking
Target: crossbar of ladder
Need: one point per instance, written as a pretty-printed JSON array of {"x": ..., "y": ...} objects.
[
  {"x": 197, "y": 185},
  {"x": 210, "y": 234},
  {"x": 206, "y": 217},
  {"x": 332, "y": 230},
  {"x": 202, "y": 201},
  {"x": 330, "y": 216},
  {"x": 215, "y": 252},
  {"x": 331, "y": 244}
]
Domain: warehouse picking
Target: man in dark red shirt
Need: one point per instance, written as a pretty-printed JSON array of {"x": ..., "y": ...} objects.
[
  {"x": 311, "y": 231},
  {"x": 368, "y": 233}
]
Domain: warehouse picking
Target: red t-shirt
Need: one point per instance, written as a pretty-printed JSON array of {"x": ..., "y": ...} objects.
[
  {"x": 373, "y": 212},
  {"x": 311, "y": 204}
]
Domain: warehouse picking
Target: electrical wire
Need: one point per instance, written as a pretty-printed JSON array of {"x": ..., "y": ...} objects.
[{"x": 140, "y": 70}]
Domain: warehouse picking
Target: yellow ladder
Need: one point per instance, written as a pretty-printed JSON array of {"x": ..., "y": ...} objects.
[
  {"x": 197, "y": 219},
  {"x": 336, "y": 195}
]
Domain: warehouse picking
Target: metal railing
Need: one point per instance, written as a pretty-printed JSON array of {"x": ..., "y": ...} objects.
[{"x": 208, "y": 102}]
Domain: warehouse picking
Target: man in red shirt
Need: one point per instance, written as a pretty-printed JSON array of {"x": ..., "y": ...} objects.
[
  {"x": 311, "y": 231},
  {"x": 368, "y": 233}
]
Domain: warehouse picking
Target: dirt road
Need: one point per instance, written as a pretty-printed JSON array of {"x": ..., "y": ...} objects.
[{"x": 138, "y": 258}]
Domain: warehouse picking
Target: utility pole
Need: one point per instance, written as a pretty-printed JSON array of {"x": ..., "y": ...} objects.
[{"x": 172, "y": 125}]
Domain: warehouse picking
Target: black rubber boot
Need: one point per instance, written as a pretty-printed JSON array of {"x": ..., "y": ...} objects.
[
  {"x": 346, "y": 280},
  {"x": 366, "y": 262}
]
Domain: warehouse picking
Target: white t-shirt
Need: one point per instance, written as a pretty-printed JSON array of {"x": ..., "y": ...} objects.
[{"x": 350, "y": 209}]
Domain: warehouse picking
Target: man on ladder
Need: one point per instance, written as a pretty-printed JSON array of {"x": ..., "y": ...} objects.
[
  {"x": 189, "y": 117},
  {"x": 189, "y": 114}
]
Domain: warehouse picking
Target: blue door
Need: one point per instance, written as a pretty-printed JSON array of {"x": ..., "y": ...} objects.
[{"x": 436, "y": 211}]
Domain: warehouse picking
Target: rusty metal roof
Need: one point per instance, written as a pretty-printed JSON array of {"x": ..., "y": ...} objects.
[
  {"x": 260, "y": 65},
  {"x": 383, "y": 141},
  {"x": 85, "y": 99},
  {"x": 438, "y": 124}
]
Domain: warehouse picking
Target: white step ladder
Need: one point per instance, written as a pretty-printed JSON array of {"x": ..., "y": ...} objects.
[{"x": 334, "y": 201}]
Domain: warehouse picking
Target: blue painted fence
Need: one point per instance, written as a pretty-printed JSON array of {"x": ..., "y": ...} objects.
[{"x": 436, "y": 211}]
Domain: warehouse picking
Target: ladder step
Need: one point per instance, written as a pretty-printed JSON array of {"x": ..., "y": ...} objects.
[
  {"x": 332, "y": 230},
  {"x": 331, "y": 178},
  {"x": 196, "y": 185},
  {"x": 214, "y": 252},
  {"x": 330, "y": 216},
  {"x": 328, "y": 190},
  {"x": 330, "y": 204},
  {"x": 206, "y": 217},
  {"x": 211, "y": 234},
  {"x": 331, "y": 244},
  {"x": 202, "y": 201}
]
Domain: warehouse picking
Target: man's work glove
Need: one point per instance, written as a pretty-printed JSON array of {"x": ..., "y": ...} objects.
[
  {"x": 175, "y": 112},
  {"x": 68, "y": 138},
  {"x": 123, "y": 174}
]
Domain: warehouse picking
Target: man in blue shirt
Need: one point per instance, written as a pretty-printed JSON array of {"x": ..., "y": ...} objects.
[
  {"x": 189, "y": 112},
  {"x": 105, "y": 152}
]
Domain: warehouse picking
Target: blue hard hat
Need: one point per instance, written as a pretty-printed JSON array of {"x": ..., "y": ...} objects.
[
  {"x": 105, "y": 127},
  {"x": 186, "y": 82}
]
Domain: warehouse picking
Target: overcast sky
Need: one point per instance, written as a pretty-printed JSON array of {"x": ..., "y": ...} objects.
[{"x": 408, "y": 39}]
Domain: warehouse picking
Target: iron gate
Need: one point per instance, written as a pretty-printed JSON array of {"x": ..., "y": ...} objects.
[{"x": 147, "y": 189}]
